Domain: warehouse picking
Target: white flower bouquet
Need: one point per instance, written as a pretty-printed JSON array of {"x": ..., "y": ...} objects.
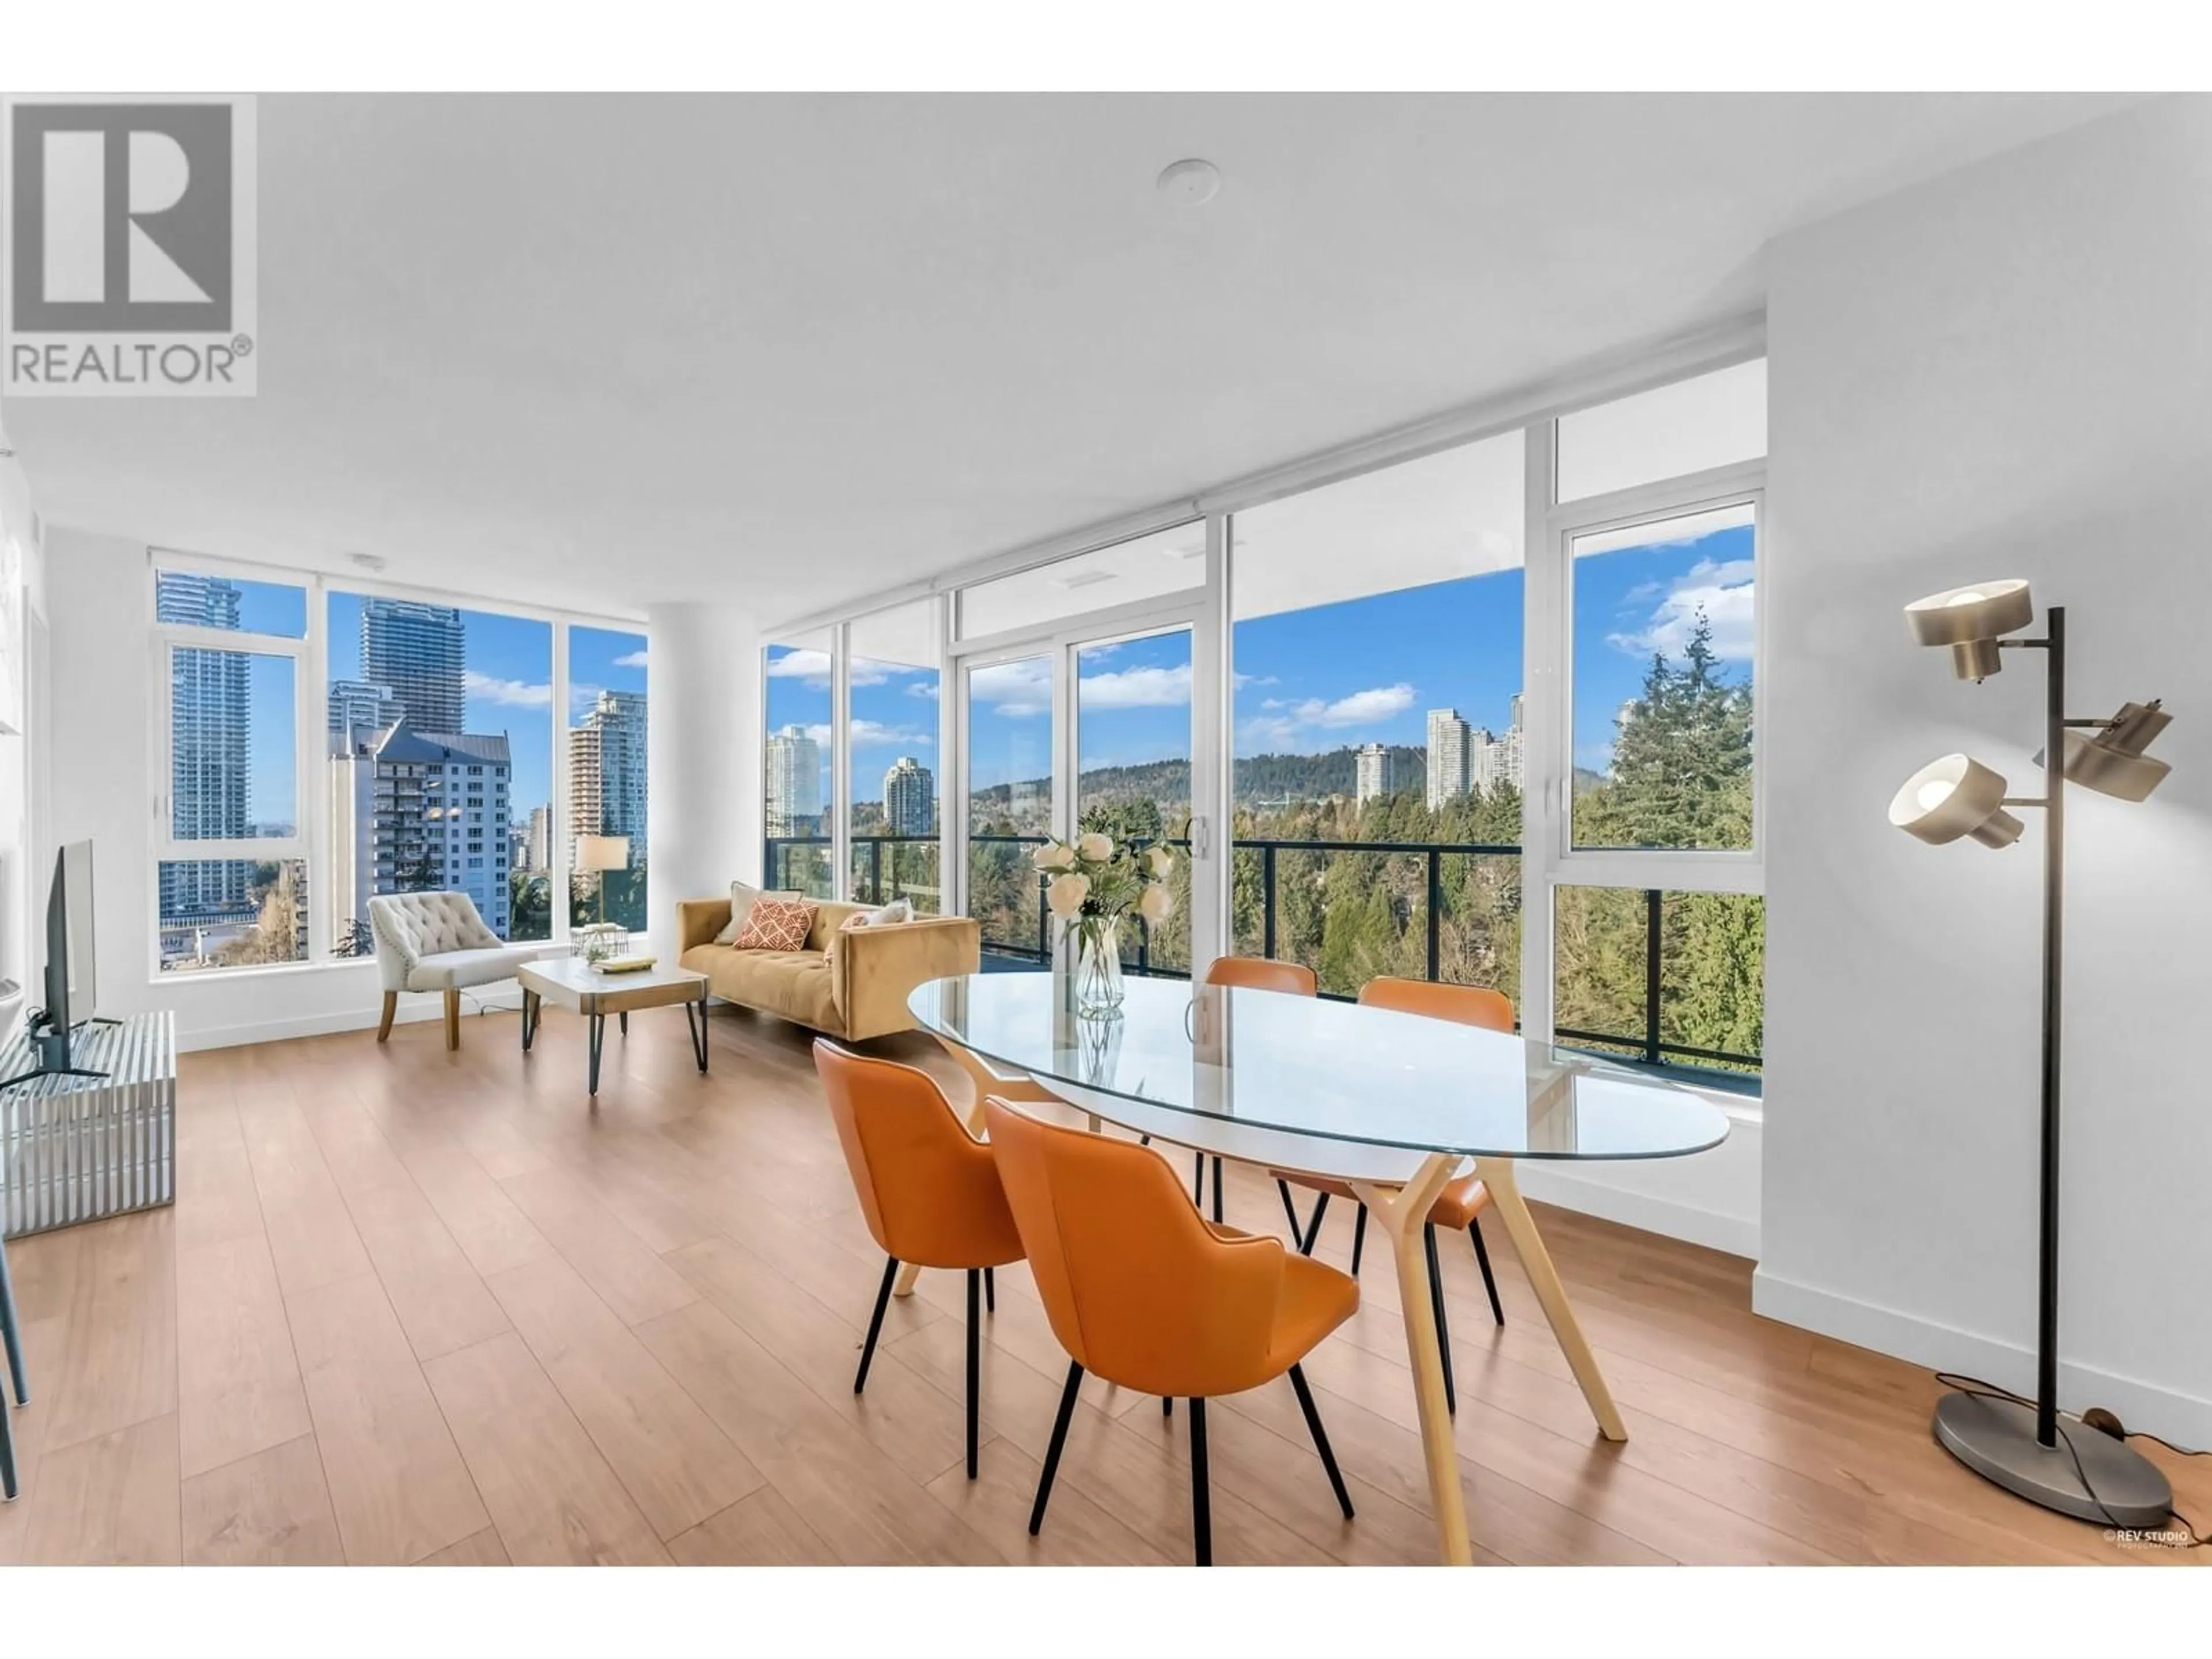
[{"x": 1093, "y": 886}]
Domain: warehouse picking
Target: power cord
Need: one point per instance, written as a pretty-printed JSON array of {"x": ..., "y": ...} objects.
[{"x": 2104, "y": 1422}]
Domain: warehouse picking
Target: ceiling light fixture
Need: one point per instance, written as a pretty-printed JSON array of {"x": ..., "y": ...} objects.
[{"x": 1190, "y": 180}]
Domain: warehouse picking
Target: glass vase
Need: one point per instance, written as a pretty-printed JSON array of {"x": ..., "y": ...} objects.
[{"x": 1098, "y": 966}]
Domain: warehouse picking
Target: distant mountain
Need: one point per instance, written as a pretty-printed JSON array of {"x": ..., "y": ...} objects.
[{"x": 1259, "y": 778}]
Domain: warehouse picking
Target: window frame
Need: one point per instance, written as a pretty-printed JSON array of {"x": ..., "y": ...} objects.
[
  {"x": 311, "y": 713},
  {"x": 1549, "y": 858}
]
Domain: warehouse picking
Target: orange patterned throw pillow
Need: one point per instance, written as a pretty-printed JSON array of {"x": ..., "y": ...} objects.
[{"x": 775, "y": 924}]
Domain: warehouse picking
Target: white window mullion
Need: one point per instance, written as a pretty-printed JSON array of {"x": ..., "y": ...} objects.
[
  {"x": 840, "y": 762},
  {"x": 560, "y": 807},
  {"x": 1548, "y": 761}
]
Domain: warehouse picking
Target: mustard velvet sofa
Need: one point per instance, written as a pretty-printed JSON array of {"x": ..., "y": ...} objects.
[{"x": 852, "y": 985}]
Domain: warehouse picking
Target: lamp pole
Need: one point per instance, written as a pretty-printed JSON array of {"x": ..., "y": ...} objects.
[{"x": 2054, "y": 883}]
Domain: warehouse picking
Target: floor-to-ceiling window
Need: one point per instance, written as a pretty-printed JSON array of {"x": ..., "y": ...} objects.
[
  {"x": 799, "y": 792},
  {"x": 606, "y": 785},
  {"x": 1657, "y": 940},
  {"x": 1489, "y": 717},
  {"x": 892, "y": 755},
  {"x": 323, "y": 745},
  {"x": 441, "y": 743},
  {"x": 1379, "y": 735}
]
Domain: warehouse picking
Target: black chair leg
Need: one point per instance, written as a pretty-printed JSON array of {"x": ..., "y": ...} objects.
[
  {"x": 876, "y": 1323},
  {"x": 12, "y": 1330},
  {"x": 1167, "y": 1405},
  {"x": 1359, "y": 1239},
  {"x": 1290, "y": 1210},
  {"x": 1319, "y": 1438},
  {"x": 974, "y": 1358},
  {"x": 1436, "y": 1302},
  {"x": 8, "y": 1486},
  {"x": 1312, "y": 1235},
  {"x": 1482, "y": 1260},
  {"x": 1217, "y": 1192},
  {"x": 1202, "y": 1506},
  {"x": 1197, "y": 1182},
  {"x": 1059, "y": 1439},
  {"x": 990, "y": 1290}
]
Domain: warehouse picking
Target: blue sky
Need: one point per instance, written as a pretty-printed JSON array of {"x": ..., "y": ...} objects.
[
  {"x": 1362, "y": 670},
  {"x": 508, "y": 665}
]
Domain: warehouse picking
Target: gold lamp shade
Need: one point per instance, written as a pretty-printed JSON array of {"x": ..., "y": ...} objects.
[
  {"x": 1953, "y": 797},
  {"x": 1971, "y": 620}
]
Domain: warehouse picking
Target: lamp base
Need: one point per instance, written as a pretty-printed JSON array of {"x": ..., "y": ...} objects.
[{"x": 1995, "y": 1438}]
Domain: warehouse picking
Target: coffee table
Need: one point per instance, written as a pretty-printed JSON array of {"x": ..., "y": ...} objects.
[{"x": 574, "y": 983}]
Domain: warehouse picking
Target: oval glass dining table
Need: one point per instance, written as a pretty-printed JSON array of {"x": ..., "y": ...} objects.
[{"x": 1393, "y": 1104}]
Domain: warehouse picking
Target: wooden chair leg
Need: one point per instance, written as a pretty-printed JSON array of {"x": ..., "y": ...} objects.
[
  {"x": 390, "y": 1007},
  {"x": 453, "y": 1020}
]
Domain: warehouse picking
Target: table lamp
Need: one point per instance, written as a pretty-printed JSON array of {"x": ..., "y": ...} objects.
[
  {"x": 2069, "y": 1467},
  {"x": 596, "y": 855}
]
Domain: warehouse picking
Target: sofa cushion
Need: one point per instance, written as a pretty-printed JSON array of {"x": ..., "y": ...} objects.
[{"x": 795, "y": 984}]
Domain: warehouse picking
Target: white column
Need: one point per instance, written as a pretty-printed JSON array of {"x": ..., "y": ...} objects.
[{"x": 704, "y": 755}]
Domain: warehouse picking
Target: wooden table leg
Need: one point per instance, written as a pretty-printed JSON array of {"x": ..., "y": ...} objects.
[
  {"x": 1403, "y": 1211},
  {"x": 1498, "y": 1175}
]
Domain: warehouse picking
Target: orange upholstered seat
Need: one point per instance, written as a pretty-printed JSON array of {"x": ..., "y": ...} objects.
[
  {"x": 1462, "y": 1201},
  {"x": 1250, "y": 974},
  {"x": 928, "y": 1189},
  {"x": 1144, "y": 1291}
]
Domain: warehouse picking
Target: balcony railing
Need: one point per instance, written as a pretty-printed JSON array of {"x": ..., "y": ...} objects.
[{"x": 881, "y": 872}]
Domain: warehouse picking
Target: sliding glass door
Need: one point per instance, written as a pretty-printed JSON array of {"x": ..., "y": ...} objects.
[{"x": 1092, "y": 727}]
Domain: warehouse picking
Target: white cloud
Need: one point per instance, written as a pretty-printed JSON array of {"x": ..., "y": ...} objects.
[
  {"x": 1020, "y": 688},
  {"x": 813, "y": 666},
  {"x": 509, "y": 693},
  {"x": 1297, "y": 726},
  {"x": 1137, "y": 688},
  {"x": 1722, "y": 591},
  {"x": 874, "y": 734},
  {"x": 580, "y": 699},
  {"x": 630, "y": 659},
  {"x": 923, "y": 689},
  {"x": 1360, "y": 708}
]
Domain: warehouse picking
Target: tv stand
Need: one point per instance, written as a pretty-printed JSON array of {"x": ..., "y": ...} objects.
[
  {"x": 49, "y": 1049},
  {"x": 92, "y": 1133}
]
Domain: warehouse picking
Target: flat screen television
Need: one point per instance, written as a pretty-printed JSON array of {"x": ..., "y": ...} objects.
[{"x": 72, "y": 980}]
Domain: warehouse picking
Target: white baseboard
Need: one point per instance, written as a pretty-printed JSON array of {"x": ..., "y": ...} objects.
[
  {"x": 2183, "y": 1417},
  {"x": 414, "y": 1007},
  {"x": 1669, "y": 1217}
]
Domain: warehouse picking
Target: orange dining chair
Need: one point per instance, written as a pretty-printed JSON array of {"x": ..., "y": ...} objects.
[
  {"x": 1252, "y": 973},
  {"x": 928, "y": 1187},
  {"x": 1461, "y": 1203},
  {"x": 1145, "y": 1293}
]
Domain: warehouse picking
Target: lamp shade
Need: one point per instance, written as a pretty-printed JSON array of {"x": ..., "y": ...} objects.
[
  {"x": 1953, "y": 797},
  {"x": 1970, "y": 620},
  {"x": 2113, "y": 761},
  {"x": 597, "y": 853}
]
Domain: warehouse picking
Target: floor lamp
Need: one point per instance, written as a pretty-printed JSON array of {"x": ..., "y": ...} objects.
[{"x": 2029, "y": 1450}]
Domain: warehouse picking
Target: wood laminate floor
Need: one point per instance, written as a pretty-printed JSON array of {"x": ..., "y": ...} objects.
[{"x": 419, "y": 1307}]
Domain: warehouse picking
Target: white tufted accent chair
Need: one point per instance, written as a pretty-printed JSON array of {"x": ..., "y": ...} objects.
[{"x": 437, "y": 942}]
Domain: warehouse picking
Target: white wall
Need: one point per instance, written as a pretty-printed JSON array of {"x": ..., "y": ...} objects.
[
  {"x": 2006, "y": 372},
  {"x": 705, "y": 752}
]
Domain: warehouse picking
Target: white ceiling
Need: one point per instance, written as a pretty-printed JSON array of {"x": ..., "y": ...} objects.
[{"x": 790, "y": 349}]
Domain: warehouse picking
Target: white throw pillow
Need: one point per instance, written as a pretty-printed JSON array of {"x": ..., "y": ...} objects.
[
  {"x": 742, "y": 899},
  {"x": 897, "y": 911}
]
